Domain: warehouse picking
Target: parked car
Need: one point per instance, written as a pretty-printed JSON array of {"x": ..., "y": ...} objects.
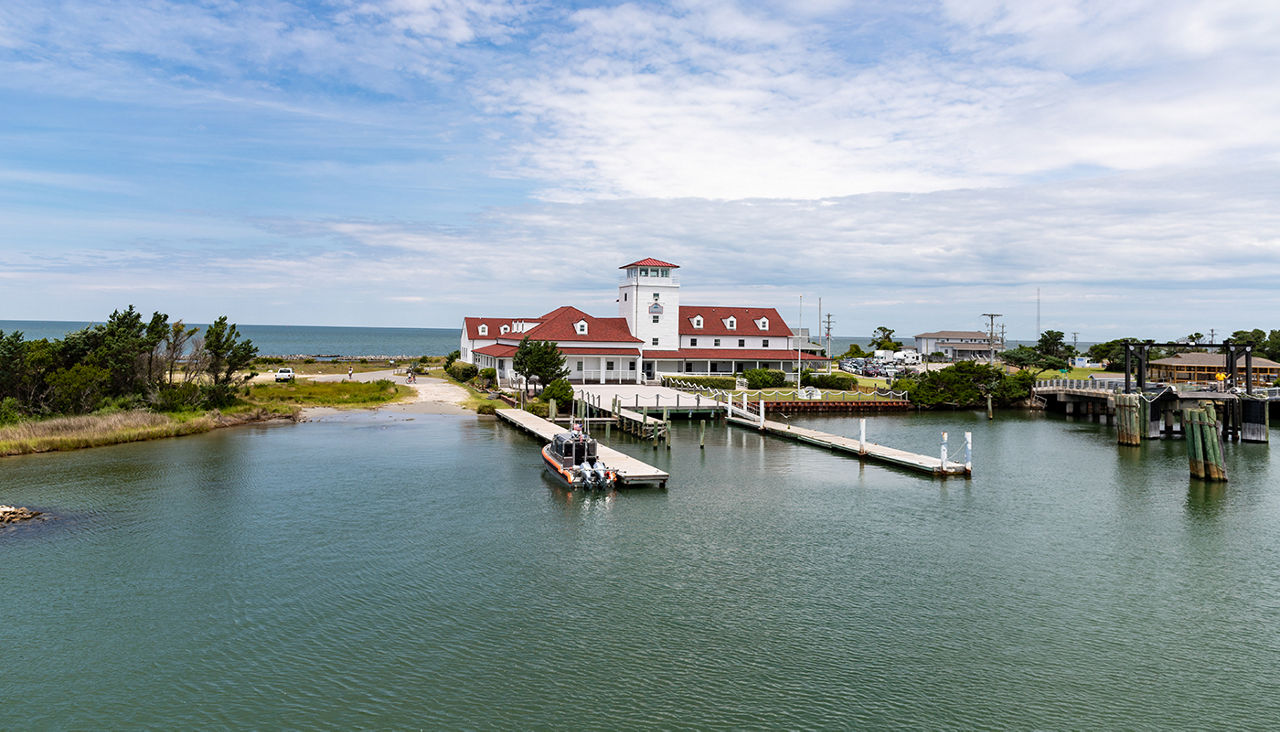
[{"x": 285, "y": 374}]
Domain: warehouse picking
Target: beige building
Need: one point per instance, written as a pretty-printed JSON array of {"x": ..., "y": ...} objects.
[{"x": 1204, "y": 367}]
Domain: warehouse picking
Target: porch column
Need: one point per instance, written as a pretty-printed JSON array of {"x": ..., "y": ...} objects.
[
  {"x": 602, "y": 363},
  {"x": 639, "y": 370}
]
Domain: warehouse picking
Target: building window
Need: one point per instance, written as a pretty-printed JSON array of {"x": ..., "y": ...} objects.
[
  {"x": 656, "y": 317},
  {"x": 731, "y": 324},
  {"x": 655, "y": 341},
  {"x": 655, "y": 296},
  {"x": 624, "y": 297},
  {"x": 697, "y": 322},
  {"x": 631, "y": 365},
  {"x": 483, "y": 330},
  {"x": 763, "y": 324},
  {"x": 716, "y": 343},
  {"x": 581, "y": 327},
  {"x": 504, "y": 329},
  {"x": 579, "y": 365},
  {"x": 764, "y": 343},
  {"x": 693, "y": 341},
  {"x": 608, "y": 365},
  {"x": 644, "y": 271},
  {"x": 742, "y": 343}
]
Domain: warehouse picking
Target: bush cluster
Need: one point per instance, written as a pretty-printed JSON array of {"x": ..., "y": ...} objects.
[
  {"x": 711, "y": 382},
  {"x": 838, "y": 381},
  {"x": 462, "y": 371},
  {"x": 561, "y": 391},
  {"x": 764, "y": 378}
]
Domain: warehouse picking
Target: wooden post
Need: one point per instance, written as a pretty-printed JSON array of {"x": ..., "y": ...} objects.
[
  {"x": 551, "y": 410},
  {"x": 702, "y": 434},
  {"x": 990, "y": 414},
  {"x": 1195, "y": 451},
  {"x": 666, "y": 428}
]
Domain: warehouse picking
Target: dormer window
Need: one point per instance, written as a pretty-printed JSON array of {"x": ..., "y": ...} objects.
[
  {"x": 580, "y": 327},
  {"x": 763, "y": 324},
  {"x": 697, "y": 321},
  {"x": 482, "y": 330},
  {"x": 731, "y": 323},
  {"x": 504, "y": 329}
]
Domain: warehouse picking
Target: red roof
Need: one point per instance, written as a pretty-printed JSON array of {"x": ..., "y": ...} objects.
[
  {"x": 600, "y": 351},
  {"x": 650, "y": 262},
  {"x": 713, "y": 321},
  {"x": 471, "y": 325},
  {"x": 559, "y": 325},
  {"x": 497, "y": 350},
  {"x": 733, "y": 354}
]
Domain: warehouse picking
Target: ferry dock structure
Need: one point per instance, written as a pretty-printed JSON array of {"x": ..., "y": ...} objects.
[
  {"x": 630, "y": 470},
  {"x": 607, "y": 401},
  {"x": 939, "y": 466}
]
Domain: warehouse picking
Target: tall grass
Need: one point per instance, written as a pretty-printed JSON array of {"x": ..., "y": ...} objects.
[
  {"x": 330, "y": 393},
  {"x": 93, "y": 430}
]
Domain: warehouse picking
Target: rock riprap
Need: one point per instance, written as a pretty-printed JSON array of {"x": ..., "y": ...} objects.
[{"x": 14, "y": 514}]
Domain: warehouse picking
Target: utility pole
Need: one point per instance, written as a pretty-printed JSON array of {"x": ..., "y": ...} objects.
[
  {"x": 991, "y": 333},
  {"x": 1075, "y": 339},
  {"x": 1211, "y": 332},
  {"x": 829, "y": 354}
]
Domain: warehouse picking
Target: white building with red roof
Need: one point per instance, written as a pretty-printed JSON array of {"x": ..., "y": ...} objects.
[{"x": 654, "y": 335}]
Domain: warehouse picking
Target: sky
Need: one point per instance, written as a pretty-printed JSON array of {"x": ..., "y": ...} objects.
[{"x": 1111, "y": 164}]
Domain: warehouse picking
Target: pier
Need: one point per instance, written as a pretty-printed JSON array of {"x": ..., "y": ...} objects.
[
  {"x": 630, "y": 470},
  {"x": 937, "y": 466}
]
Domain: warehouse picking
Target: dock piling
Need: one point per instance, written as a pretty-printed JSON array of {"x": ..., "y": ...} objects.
[
  {"x": 944, "y": 449},
  {"x": 702, "y": 434}
]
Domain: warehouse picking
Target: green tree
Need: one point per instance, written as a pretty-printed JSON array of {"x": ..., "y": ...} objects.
[
  {"x": 882, "y": 340},
  {"x": 1053, "y": 343},
  {"x": 966, "y": 384},
  {"x": 226, "y": 353},
  {"x": 540, "y": 360},
  {"x": 855, "y": 351},
  {"x": 1032, "y": 360},
  {"x": 560, "y": 390}
]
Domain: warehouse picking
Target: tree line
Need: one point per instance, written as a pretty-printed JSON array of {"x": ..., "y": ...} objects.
[{"x": 127, "y": 362}]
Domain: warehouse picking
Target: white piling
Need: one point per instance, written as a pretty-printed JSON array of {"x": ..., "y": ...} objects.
[
  {"x": 944, "y": 450},
  {"x": 968, "y": 451},
  {"x": 862, "y": 436}
]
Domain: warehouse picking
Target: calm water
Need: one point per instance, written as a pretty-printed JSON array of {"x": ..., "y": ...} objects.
[
  {"x": 291, "y": 340},
  {"x": 374, "y": 571}
]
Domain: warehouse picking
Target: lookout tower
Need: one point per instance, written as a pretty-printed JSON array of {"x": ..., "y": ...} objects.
[{"x": 649, "y": 298}]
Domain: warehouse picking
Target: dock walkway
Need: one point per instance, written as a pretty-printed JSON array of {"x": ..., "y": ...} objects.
[
  {"x": 861, "y": 448},
  {"x": 630, "y": 470}
]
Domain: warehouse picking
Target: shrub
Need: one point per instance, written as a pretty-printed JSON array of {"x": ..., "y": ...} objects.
[
  {"x": 764, "y": 378},
  {"x": 839, "y": 381},
  {"x": 453, "y": 356},
  {"x": 217, "y": 395},
  {"x": 176, "y": 397},
  {"x": 10, "y": 410},
  {"x": 710, "y": 382},
  {"x": 268, "y": 360},
  {"x": 488, "y": 376},
  {"x": 537, "y": 408},
  {"x": 486, "y": 408},
  {"x": 77, "y": 390},
  {"x": 561, "y": 391},
  {"x": 462, "y": 371},
  {"x": 308, "y": 360}
]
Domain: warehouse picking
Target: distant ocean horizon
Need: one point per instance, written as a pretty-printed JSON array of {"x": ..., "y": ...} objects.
[
  {"x": 295, "y": 340},
  {"x": 340, "y": 341}
]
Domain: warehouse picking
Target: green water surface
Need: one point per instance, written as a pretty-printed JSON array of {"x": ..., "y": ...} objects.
[{"x": 377, "y": 571}]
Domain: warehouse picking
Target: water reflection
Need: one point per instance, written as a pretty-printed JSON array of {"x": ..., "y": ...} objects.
[{"x": 1205, "y": 498}]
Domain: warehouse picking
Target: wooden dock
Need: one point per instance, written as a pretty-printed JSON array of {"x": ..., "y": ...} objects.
[
  {"x": 863, "y": 449},
  {"x": 630, "y": 470}
]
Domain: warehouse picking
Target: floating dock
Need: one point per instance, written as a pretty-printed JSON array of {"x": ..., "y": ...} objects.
[
  {"x": 630, "y": 470},
  {"x": 865, "y": 450}
]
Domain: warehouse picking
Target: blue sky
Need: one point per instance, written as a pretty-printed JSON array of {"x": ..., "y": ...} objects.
[{"x": 408, "y": 162}]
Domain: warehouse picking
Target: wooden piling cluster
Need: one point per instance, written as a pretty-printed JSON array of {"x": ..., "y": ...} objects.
[
  {"x": 1204, "y": 447},
  {"x": 1129, "y": 419}
]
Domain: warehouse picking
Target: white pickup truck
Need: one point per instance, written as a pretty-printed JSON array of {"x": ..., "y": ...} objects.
[{"x": 285, "y": 374}]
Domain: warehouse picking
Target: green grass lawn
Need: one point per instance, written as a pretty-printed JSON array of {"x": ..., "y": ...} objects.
[
  {"x": 1072, "y": 374},
  {"x": 308, "y": 393}
]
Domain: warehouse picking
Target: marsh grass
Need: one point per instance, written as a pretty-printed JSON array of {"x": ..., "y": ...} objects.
[
  {"x": 329, "y": 393},
  {"x": 93, "y": 430}
]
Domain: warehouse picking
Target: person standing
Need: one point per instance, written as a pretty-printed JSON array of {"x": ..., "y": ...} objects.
[{"x": 350, "y": 373}]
